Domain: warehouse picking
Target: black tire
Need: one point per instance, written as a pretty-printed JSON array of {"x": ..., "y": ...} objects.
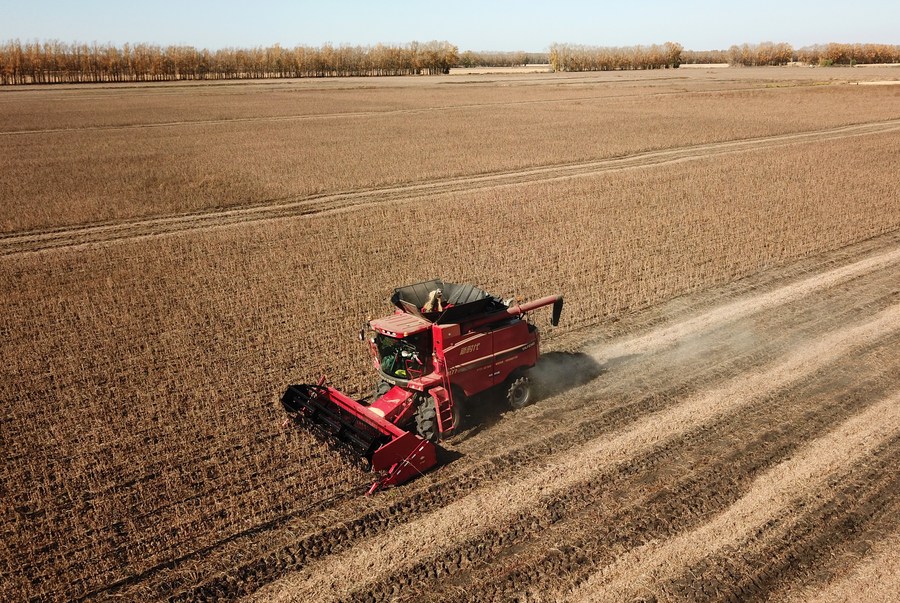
[
  {"x": 520, "y": 393},
  {"x": 426, "y": 419},
  {"x": 381, "y": 389},
  {"x": 426, "y": 416},
  {"x": 459, "y": 408}
]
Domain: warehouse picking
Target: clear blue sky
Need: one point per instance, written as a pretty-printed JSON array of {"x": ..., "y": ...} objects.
[{"x": 471, "y": 25}]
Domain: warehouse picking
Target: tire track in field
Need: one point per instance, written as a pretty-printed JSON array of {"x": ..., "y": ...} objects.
[
  {"x": 672, "y": 489},
  {"x": 566, "y": 430},
  {"x": 859, "y": 505},
  {"x": 878, "y": 576},
  {"x": 466, "y": 519},
  {"x": 772, "y": 495},
  {"x": 667, "y": 336},
  {"x": 76, "y": 236}
]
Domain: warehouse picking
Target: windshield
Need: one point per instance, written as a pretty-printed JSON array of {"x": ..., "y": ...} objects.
[{"x": 401, "y": 358}]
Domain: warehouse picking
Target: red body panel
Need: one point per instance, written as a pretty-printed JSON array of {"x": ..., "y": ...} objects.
[
  {"x": 471, "y": 356},
  {"x": 395, "y": 406},
  {"x": 400, "y": 325},
  {"x": 483, "y": 357},
  {"x": 468, "y": 360},
  {"x": 402, "y": 459}
]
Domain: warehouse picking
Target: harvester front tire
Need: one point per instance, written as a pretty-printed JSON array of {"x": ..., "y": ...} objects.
[
  {"x": 382, "y": 388},
  {"x": 520, "y": 393},
  {"x": 459, "y": 407},
  {"x": 426, "y": 419}
]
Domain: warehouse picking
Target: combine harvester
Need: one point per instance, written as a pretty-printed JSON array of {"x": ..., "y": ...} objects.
[{"x": 444, "y": 342}]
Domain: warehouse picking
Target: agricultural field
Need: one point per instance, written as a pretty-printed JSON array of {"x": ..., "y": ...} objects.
[{"x": 722, "y": 409}]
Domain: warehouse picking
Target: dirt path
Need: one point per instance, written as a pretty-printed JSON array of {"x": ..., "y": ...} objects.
[
  {"x": 719, "y": 455},
  {"x": 32, "y": 241}
]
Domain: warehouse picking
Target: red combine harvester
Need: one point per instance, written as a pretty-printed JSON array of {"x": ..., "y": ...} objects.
[{"x": 444, "y": 343}]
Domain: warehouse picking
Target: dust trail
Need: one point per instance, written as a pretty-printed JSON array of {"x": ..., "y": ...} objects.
[
  {"x": 772, "y": 494},
  {"x": 668, "y": 336},
  {"x": 502, "y": 503}
]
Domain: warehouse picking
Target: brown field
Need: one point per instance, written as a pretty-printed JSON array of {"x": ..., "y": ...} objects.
[{"x": 724, "y": 422}]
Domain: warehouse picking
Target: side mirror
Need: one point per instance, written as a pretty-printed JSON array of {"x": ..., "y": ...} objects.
[{"x": 361, "y": 335}]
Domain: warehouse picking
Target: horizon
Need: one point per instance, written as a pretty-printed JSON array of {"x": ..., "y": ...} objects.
[
  {"x": 461, "y": 50},
  {"x": 475, "y": 26}
]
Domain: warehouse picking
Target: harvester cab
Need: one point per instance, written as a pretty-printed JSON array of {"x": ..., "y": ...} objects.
[{"x": 443, "y": 343}]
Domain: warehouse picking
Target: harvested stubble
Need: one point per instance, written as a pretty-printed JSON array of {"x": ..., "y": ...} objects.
[
  {"x": 141, "y": 377},
  {"x": 878, "y": 576},
  {"x": 412, "y": 134}
]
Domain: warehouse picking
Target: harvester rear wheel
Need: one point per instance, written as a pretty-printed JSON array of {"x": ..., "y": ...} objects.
[
  {"x": 520, "y": 393},
  {"x": 426, "y": 419}
]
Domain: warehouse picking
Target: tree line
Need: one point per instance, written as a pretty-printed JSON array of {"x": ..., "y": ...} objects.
[
  {"x": 502, "y": 58},
  {"x": 568, "y": 57},
  {"x": 58, "y": 62},
  {"x": 765, "y": 53},
  {"x": 849, "y": 54},
  {"x": 782, "y": 53}
]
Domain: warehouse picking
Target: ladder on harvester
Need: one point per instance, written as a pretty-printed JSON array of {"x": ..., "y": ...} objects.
[{"x": 444, "y": 411}]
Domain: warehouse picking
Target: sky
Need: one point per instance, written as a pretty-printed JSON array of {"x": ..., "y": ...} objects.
[{"x": 470, "y": 25}]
